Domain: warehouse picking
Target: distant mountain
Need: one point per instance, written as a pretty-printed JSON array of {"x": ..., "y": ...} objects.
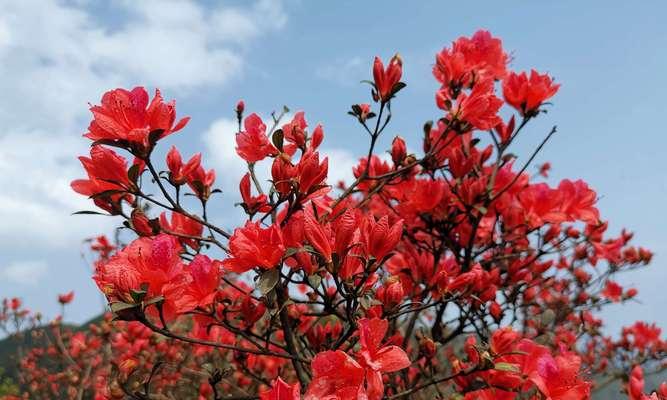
[{"x": 9, "y": 346}]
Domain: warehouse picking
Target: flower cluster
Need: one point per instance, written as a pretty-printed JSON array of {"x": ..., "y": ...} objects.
[{"x": 449, "y": 273}]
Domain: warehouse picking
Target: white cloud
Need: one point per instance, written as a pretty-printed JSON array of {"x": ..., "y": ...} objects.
[
  {"x": 56, "y": 56},
  {"x": 220, "y": 142},
  {"x": 345, "y": 72},
  {"x": 341, "y": 162},
  {"x": 27, "y": 273}
]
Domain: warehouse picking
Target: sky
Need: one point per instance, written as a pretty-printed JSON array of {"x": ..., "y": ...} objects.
[{"x": 56, "y": 57}]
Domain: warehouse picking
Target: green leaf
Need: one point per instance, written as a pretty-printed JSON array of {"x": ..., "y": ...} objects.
[
  {"x": 506, "y": 367},
  {"x": 154, "y": 300},
  {"x": 291, "y": 251},
  {"x": 137, "y": 295},
  {"x": 315, "y": 281},
  {"x": 365, "y": 302},
  {"x": 268, "y": 280},
  {"x": 119, "y": 306}
]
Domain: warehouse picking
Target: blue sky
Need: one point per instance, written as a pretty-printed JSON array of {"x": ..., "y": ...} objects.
[{"x": 55, "y": 57}]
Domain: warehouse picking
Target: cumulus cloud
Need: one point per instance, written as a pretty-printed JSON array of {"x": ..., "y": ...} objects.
[
  {"x": 27, "y": 273},
  {"x": 55, "y": 56}
]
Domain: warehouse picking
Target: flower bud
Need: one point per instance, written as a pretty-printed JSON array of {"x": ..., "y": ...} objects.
[
  {"x": 140, "y": 223},
  {"x": 427, "y": 347},
  {"x": 66, "y": 298},
  {"x": 496, "y": 311},
  {"x": 398, "y": 151},
  {"x": 393, "y": 292}
]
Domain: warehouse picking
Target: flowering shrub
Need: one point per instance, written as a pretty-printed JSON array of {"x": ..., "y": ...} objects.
[{"x": 450, "y": 273}]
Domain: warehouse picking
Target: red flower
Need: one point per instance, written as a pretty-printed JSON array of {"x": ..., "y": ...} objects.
[
  {"x": 252, "y": 204},
  {"x": 479, "y": 108},
  {"x": 281, "y": 391},
  {"x": 295, "y": 130},
  {"x": 544, "y": 169},
  {"x": 392, "y": 293},
  {"x": 201, "y": 181},
  {"x": 336, "y": 376},
  {"x": 387, "y": 79},
  {"x": 107, "y": 173},
  {"x": 204, "y": 278},
  {"x": 152, "y": 263},
  {"x": 124, "y": 116},
  {"x": 526, "y": 94},
  {"x": 253, "y": 246},
  {"x": 505, "y": 131},
  {"x": 252, "y": 144},
  {"x": 378, "y": 237},
  {"x": 578, "y": 201},
  {"x": 644, "y": 335},
  {"x": 636, "y": 384},
  {"x": 282, "y": 172},
  {"x": 178, "y": 172},
  {"x": 251, "y": 311},
  {"x": 66, "y": 298},
  {"x": 378, "y": 359},
  {"x": 312, "y": 173},
  {"x": 183, "y": 225},
  {"x": 557, "y": 378},
  {"x": 319, "y": 236},
  {"x": 141, "y": 224},
  {"x": 612, "y": 291},
  {"x": 469, "y": 60},
  {"x": 398, "y": 151}
]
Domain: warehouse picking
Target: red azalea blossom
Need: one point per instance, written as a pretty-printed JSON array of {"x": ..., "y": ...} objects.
[
  {"x": 469, "y": 60},
  {"x": 282, "y": 391},
  {"x": 252, "y": 144},
  {"x": 126, "y": 116},
  {"x": 386, "y": 79},
  {"x": 185, "y": 228},
  {"x": 66, "y": 298},
  {"x": 336, "y": 376},
  {"x": 378, "y": 359},
  {"x": 253, "y": 246},
  {"x": 526, "y": 94}
]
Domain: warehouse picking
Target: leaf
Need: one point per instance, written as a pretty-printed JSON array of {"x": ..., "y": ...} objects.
[
  {"x": 154, "y": 300},
  {"x": 315, "y": 281},
  {"x": 119, "y": 306},
  {"x": 506, "y": 367},
  {"x": 133, "y": 173},
  {"x": 106, "y": 193},
  {"x": 397, "y": 87},
  {"x": 137, "y": 295},
  {"x": 365, "y": 302},
  {"x": 291, "y": 251},
  {"x": 548, "y": 316},
  {"x": 154, "y": 136},
  {"x": 268, "y": 280},
  {"x": 87, "y": 212},
  {"x": 482, "y": 209},
  {"x": 278, "y": 138}
]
